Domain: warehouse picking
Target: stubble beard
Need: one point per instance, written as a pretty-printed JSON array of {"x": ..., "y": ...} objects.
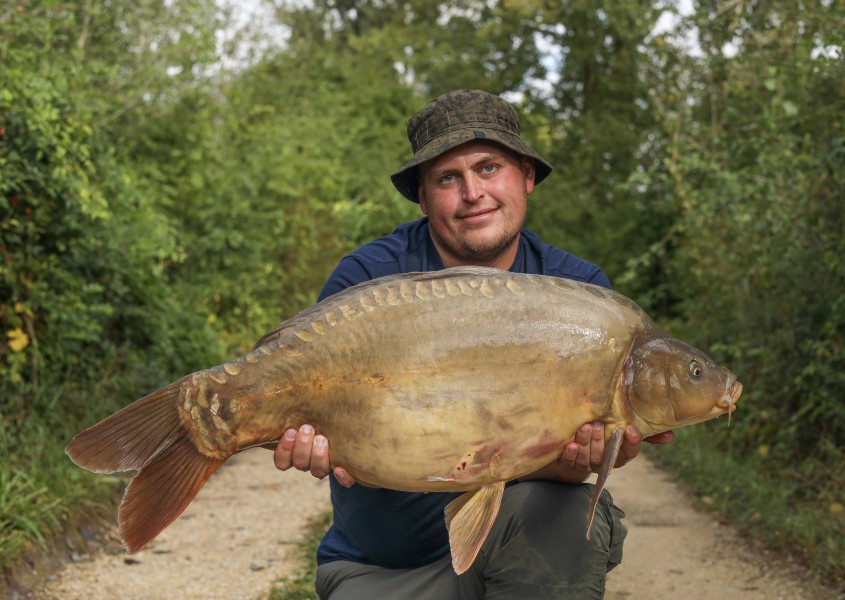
[
  {"x": 467, "y": 252},
  {"x": 471, "y": 252}
]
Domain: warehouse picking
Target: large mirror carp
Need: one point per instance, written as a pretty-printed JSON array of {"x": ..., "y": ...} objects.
[{"x": 454, "y": 380}]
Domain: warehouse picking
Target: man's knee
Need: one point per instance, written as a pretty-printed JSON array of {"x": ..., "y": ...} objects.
[
  {"x": 551, "y": 519},
  {"x": 539, "y": 499},
  {"x": 540, "y": 506}
]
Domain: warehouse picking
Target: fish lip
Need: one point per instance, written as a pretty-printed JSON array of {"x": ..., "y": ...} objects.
[
  {"x": 732, "y": 393},
  {"x": 735, "y": 391}
]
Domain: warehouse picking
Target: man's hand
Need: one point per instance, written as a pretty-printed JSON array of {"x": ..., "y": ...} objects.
[
  {"x": 584, "y": 454},
  {"x": 586, "y": 451},
  {"x": 307, "y": 451}
]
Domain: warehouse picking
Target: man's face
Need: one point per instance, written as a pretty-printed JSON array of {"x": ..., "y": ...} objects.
[{"x": 476, "y": 197}]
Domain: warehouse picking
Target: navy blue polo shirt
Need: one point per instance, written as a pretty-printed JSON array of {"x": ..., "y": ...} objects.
[{"x": 401, "y": 529}]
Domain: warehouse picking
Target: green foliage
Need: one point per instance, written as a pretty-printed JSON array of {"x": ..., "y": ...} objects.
[
  {"x": 88, "y": 316},
  {"x": 497, "y": 49},
  {"x": 26, "y": 513},
  {"x": 45, "y": 192},
  {"x": 759, "y": 245},
  {"x": 39, "y": 494},
  {"x": 84, "y": 251},
  {"x": 754, "y": 260},
  {"x": 602, "y": 140}
]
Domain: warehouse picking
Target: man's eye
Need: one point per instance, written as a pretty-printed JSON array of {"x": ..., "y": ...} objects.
[
  {"x": 489, "y": 168},
  {"x": 447, "y": 179}
]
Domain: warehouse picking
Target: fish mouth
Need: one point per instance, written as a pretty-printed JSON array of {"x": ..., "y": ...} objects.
[{"x": 728, "y": 401}]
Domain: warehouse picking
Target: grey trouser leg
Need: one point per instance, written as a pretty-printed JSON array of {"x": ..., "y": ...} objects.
[{"x": 536, "y": 550}]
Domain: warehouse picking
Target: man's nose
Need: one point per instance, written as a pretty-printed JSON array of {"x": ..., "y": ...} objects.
[{"x": 473, "y": 188}]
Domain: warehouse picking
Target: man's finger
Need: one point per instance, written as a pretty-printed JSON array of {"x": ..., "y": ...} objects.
[
  {"x": 667, "y": 437},
  {"x": 301, "y": 457},
  {"x": 343, "y": 477},
  {"x": 573, "y": 450},
  {"x": 584, "y": 434},
  {"x": 596, "y": 445},
  {"x": 319, "y": 465},
  {"x": 282, "y": 454}
]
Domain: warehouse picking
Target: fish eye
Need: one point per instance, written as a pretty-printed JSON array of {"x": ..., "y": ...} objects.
[{"x": 695, "y": 369}]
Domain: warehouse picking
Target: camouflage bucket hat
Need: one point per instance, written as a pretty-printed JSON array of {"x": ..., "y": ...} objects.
[{"x": 454, "y": 119}]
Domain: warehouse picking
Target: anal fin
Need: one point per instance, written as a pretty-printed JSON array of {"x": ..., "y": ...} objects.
[
  {"x": 611, "y": 452},
  {"x": 469, "y": 518}
]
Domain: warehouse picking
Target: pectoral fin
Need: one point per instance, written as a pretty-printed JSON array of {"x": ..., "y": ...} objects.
[
  {"x": 469, "y": 518},
  {"x": 611, "y": 451}
]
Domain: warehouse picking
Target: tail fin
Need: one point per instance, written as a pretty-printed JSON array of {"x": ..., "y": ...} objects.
[
  {"x": 131, "y": 438},
  {"x": 161, "y": 491},
  {"x": 147, "y": 436}
]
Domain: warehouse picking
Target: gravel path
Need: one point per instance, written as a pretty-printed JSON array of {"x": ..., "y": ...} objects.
[
  {"x": 239, "y": 534},
  {"x": 675, "y": 552}
]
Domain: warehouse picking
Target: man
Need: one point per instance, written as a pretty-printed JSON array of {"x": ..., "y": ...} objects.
[{"x": 471, "y": 174}]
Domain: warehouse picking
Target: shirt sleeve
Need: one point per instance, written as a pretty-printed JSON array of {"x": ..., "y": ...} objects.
[
  {"x": 599, "y": 278},
  {"x": 349, "y": 271}
]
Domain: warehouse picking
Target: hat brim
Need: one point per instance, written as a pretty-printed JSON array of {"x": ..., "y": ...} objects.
[{"x": 406, "y": 179}]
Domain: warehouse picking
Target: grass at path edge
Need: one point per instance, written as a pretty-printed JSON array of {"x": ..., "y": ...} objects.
[{"x": 301, "y": 587}]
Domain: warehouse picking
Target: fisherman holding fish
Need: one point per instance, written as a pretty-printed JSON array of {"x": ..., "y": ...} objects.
[
  {"x": 466, "y": 400},
  {"x": 471, "y": 174}
]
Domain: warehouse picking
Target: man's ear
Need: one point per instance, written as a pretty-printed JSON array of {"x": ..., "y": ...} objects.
[
  {"x": 421, "y": 198},
  {"x": 529, "y": 171}
]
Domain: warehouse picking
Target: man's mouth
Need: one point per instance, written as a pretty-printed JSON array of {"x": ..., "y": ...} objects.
[{"x": 477, "y": 215}]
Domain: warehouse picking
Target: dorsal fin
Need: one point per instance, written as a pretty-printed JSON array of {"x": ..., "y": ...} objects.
[
  {"x": 331, "y": 303},
  {"x": 457, "y": 272}
]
